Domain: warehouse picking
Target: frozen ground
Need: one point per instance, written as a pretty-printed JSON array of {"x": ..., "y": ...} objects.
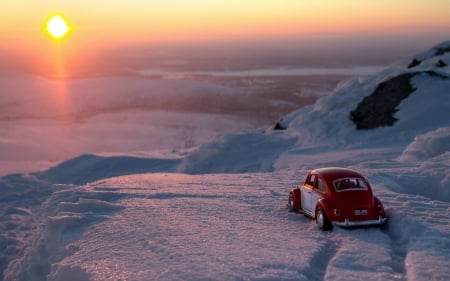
[
  {"x": 175, "y": 226},
  {"x": 219, "y": 211}
]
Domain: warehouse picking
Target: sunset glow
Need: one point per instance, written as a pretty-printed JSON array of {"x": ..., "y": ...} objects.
[
  {"x": 90, "y": 28},
  {"x": 135, "y": 20}
]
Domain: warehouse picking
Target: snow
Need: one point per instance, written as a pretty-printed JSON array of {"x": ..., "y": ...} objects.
[
  {"x": 218, "y": 210},
  {"x": 251, "y": 152},
  {"x": 428, "y": 145}
]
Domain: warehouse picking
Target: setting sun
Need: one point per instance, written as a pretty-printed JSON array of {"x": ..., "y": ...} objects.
[{"x": 57, "y": 27}]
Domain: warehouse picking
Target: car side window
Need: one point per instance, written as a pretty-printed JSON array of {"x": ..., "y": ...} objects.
[
  {"x": 312, "y": 178},
  {"x": 321, "y": 185}
]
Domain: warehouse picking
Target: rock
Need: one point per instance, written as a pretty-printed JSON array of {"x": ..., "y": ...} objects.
[
  {"x": 378, "y": 109},
  {"x": 441, "y": 63},
  {"x": 441, "y": 50},
  {"x": 279, "y": 126},
  {"x": 414, "y": 62}
]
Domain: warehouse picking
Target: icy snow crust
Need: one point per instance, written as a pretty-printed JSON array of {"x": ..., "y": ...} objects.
[{"x": 220, "y": 212}]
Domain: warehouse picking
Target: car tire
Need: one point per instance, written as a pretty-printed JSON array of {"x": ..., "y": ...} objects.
[
  {"x": 321, "y": 220},
  {"x": 291, "y": 202}
]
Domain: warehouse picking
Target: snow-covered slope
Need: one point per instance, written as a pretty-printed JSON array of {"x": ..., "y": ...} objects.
[
  {"x": 423, "y": 109},
  {"x": 419, "y": 134},
  {"x": 220, "y": 212}
]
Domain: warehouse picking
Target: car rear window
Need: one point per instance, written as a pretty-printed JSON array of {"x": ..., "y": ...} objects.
[{"x": 345, "y": 184}]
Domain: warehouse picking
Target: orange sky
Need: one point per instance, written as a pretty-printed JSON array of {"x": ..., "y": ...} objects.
[
  {"x": 135, "y": 20},
  {"x": 99, "y": 23}
]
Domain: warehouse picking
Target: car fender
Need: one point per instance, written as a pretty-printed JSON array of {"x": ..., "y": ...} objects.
[
  {"x": 327, "y": 206},
  {"x": 297, "y": 199},
  {"x": 377, "y": 202}
]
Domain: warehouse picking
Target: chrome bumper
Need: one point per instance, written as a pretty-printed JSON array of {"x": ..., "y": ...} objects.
[{"x": 347, "y": 223}]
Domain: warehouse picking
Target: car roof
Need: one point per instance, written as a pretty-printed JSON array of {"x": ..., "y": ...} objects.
[{"x": 331, "y": 173}]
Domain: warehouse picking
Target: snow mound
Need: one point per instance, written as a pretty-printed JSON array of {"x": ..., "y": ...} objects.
[
  {"x": 427, "y": 161},
  {"x": 237, "y": 153},
  {"x": 88, "y": 168},
  {"x": 428, "y": 145}
]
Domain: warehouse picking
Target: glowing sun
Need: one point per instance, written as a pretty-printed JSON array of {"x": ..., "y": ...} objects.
[{"x": 57, "y": 27}]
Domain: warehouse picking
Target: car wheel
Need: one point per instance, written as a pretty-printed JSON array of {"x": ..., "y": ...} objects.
[
  {"x": 291, "y": 202},
  {"x": 322, "y": 220}
]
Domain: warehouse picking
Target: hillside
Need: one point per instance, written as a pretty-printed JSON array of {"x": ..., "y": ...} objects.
[{"x": 415, "y": 99}]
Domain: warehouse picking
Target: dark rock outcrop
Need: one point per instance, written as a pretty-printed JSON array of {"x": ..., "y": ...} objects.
[
  {"x": 279, "y": 126},
  {"x": 378, "y": 109},
  {"x": 414, "y": 62},
  {"x": 441, "y": 50},
  {"x": 437, "y": 51},
  {"x": 441, "y": 63}
]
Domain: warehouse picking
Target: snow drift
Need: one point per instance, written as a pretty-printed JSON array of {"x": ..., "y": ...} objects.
[{"x": 427, "y": 146}]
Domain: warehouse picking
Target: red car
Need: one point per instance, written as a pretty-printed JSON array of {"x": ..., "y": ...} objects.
[{"x": 337, "y": 196}]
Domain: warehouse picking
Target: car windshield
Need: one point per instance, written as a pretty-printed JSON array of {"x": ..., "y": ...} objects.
[{"x": 345, "y": 184}]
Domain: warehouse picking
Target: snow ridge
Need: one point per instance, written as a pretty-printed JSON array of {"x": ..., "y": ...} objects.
[{"x": 89, "y": 168}]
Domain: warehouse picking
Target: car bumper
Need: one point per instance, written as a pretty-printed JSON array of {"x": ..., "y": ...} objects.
[{"x": 348, "y": 223}]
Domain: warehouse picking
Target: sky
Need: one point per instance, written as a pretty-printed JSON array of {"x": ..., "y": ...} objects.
[{"x": 100, "y": 24}]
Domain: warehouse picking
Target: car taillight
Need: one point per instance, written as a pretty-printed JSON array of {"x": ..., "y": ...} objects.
[
  {"x": 380, "y": 208},
  {"x": 337, "y": 212}
]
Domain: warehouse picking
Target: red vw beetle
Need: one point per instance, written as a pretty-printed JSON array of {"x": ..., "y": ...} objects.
[{"x": 337, "y": 196}]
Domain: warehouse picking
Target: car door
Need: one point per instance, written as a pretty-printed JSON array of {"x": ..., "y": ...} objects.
[
  {"x": 317, "y": 193},
  {"x": 307, "y": 194}
]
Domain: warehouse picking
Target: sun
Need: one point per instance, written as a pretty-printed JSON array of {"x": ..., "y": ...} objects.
[{"x": 57, "y": 27}]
